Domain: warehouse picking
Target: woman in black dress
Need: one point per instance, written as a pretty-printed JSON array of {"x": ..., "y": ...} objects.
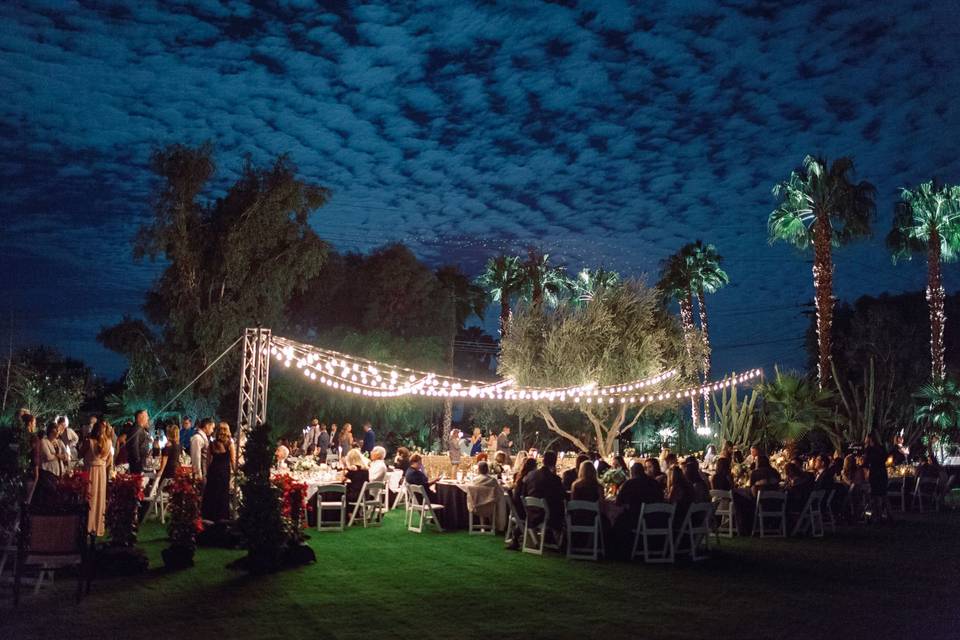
[
  {"x": 875, "y": 460},
  {"x": 222, "y": 459}
]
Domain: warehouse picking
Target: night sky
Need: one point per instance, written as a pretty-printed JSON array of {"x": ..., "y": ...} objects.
[{"x": 606, "y": 133}]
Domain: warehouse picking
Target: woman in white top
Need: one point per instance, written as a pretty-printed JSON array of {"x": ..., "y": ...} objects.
[{"x": 378, "y": 468}]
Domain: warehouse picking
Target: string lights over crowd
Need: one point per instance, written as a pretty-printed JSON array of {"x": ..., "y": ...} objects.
[{"x": 360, "y": 376}]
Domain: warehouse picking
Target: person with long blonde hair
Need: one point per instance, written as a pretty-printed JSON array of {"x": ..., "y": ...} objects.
[{"x": 221, "y": 465}]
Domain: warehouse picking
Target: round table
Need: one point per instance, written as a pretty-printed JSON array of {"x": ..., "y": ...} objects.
[{"x": 454, "y": 514}]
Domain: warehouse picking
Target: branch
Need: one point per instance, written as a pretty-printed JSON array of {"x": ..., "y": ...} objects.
[
  {"x": 634, "y": 421},
  {"x": 597, "y": 425},
  {"x": 553, "y": 426}
]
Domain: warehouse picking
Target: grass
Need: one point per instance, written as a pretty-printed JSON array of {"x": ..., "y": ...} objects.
[{"x": 890, "y": 581}]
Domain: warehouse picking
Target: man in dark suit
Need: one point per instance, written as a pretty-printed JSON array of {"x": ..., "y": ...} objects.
[
  {"x": 369, "y": 439},
  {"x": 571, "y": 474},
  {"x": 138, "y": 442},
  {"x": 323, "y": 444},
  {"x": 546, "y": 485}
]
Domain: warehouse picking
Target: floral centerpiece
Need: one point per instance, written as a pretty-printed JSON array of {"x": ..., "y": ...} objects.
[
  {"x": 185, "y": 522},
  {"x": 779, "y": 461},
  {"x": 612, "y": 478},
  {"x": 741, "y": 473},
  {"x": 305, "y": 464}
]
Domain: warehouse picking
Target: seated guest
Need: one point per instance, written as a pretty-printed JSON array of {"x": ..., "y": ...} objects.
[
  {"x": 929, "y": 468},
  {"x": 723, "y": 476},
  {"x": 638, "y": 490},
  {"x": 517, "y": 494},
  {"x": 764, "y": 477},
  {"x": 679, "y": 493},
  {"x": 402, "y": 461},
  {"x": 378, "y": 468},
  {"x": 620, "y": 463},
  {"x": 499, "y": 465},
  {"x": 570, "y": 475},
  {"x": 519, "y": 461},
  {"x": 415, "y": 475},
  {"x": 601, "y": 464},
  {"x": 546, "y": 485},
  {"x": 483, "y": 477},
  {"x": 710, "y": 456},
  {"x": 823, "y": 473},
  {"x": 669, "y": 461},
  {"x": 691, "y": 472},
  {"x": 651, "y": 466},
  {"x": 743, "y": 507},
  {"x": 727, "y": 450},
  {"x": 586, "y": 486},
  {"x": 356, "y": 473},
  {"x": 283, "y": 452},
  {"x": 852, "y": 474},
  {"x": 798, "y": 484}
]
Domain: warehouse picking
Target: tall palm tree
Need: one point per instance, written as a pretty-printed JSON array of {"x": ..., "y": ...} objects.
[
  {"x": 706, "y": 276},
  {"x": 588, "y": 284},
  {"x": 466, "y": 299},
  {"x": 675, "y": 282},
  {"x": 502, "y": 279},
  {"x": 822, "y": 206},
  {"x": 541, "y": 280},
  {"x": 927, "y": 219}
]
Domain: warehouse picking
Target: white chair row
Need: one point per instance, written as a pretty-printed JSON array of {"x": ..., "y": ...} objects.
[
  {"x": 369, "y": 507},
  {"x": 656, "y": 541}
]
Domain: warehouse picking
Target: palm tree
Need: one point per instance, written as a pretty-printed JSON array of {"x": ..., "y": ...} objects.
[
  {"x": 466, "y": 299},
  {"x": 587, "y": 284},
  {"x": 706, "y": 276},
  {"x": 822, "y": 206},
  {"x": 793, "y": 406},
  {"x": 502, "y": 279},
  {"x": 938, "y": 405},
  {"x": 928, "y": 219},
  {"x": 675, "y": 282},
  {"x": 541, "y": 281}
]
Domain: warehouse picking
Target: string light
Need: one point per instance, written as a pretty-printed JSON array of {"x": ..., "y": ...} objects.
[{"x": 346, "y": 373}]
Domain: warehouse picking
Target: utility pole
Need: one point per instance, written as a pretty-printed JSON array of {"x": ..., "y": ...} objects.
[{"x": 6, "y": 385}]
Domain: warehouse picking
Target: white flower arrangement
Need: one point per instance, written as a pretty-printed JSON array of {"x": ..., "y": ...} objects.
[{"x": 306, "y": 463}]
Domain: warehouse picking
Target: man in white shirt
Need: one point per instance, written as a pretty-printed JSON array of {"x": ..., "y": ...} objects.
[
  {"x": 311, "y": 433},
  {"x": 68, "y": 437},
  {"x": 198, "y": 448}
]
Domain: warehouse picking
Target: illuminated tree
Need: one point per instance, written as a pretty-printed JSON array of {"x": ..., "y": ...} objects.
[
  {"x": 587, "y": 284},
  {"x": 927, "y": 219},
  {"x": 676, "y": 282},
  {"x": 821, "y": 206},
  {"x": 624, "y": 333},
  {"x": 706, "y": 276},
  {"x": 542, "y": 282}
]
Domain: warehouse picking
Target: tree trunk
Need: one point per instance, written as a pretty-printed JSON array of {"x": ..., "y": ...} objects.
[
  {"x": 504, "y": 313},
  {"x": 705, "y": 335},
  {"x": 935, "y": 300},
  {"x": 686, "y": 321},
  {"x": 823, "y": 293}
]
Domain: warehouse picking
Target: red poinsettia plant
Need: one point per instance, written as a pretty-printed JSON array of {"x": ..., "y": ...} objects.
[
  {"x": 185, "y": 522},
  {"x": 123, "y": 504},
  {"x": 71, "y": 490},
  {"x": 293, "y": 505}
]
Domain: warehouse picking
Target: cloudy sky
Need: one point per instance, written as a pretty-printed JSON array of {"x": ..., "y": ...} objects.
[{"x": 607, "y": 133}]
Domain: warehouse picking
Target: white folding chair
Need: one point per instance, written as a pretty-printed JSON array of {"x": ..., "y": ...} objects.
[
  {"x": 537, "y": 535},
  {"x": 826, "y": 507},
  {"x": 648, "y": 530},
  {"x": 481, "y": 518},
  {"x": 395, "y": 487},
  {"x": 897, "y": 493},
  {"x": 811, "y": 517},
  {"x": 418, "y": 503},
  {"x": 925, "y": 494},
  {"x": 150, "y": 499},
  {"x": 594, "y": 548},
  {"x": 370, "y": 504},
  {"x": 693, "y": 536},
  {"x": 725, "y": 511},
  {"x": 334, "y": 505},
  {"x": 514, "y": 521},
  {"x": 771, "y": 506}
]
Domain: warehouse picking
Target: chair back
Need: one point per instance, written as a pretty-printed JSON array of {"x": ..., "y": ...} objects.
[
  {"x": 772, "y": 501},
  {"x": 371, "y": 490},
  {"x": 721, "y": 498},
  {"x": 418, "y": 497},
  {"x": 332, "y": 488},
  {"x": 537, "y": 503},
  {"x": 393, "y": 480},
  {"x": 657, "y": 513}
]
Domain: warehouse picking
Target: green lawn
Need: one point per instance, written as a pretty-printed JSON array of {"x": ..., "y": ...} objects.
[{"x": 896, "y": 581}]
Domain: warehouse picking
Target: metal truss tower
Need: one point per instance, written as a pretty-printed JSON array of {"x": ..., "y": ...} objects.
[{"x": 254, "y": 379}]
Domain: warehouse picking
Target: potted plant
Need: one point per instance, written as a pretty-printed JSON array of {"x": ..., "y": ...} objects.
[
  {"x": 185, "y": 522},
  {"x": 123, "y": 557}
]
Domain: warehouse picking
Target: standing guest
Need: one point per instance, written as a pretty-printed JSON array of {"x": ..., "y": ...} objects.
[
  {"x": 52, "y": 460},
  {"x": 68, "y": 437},
  {"x": 87, "y": 428},
  {"x": 311, "y": 434},
  {"x": 170, "y": 455},
  {"x": 875, "y": 460},
  {"x": 369, "y": 438},
  {"x": 679, "y": 493},
  {"x": 323, "y": 444},
  {"x": 586, "y": 486},
  {"x": 356, "y": 474},
  {"x": 346, "y": 439},
  {"x": 378, "y": 468},
  {"x": 221, "y": 466},
  {"x": 138, "y": 442},
  {"x": 186, "y": 435},
  {"x": 570, "y": 475},
  {"x": 402, "y": 461},
  {"x": 504, "y": 442},
  {"x": 96, "y": 460},
  {"x": 546, "y": 485},
  {"x": 199, "y": 447},
  {"x": 476, "y": 442},
  {"x": 334, "y": 440},
  {"x": 453, "y": 447}
]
